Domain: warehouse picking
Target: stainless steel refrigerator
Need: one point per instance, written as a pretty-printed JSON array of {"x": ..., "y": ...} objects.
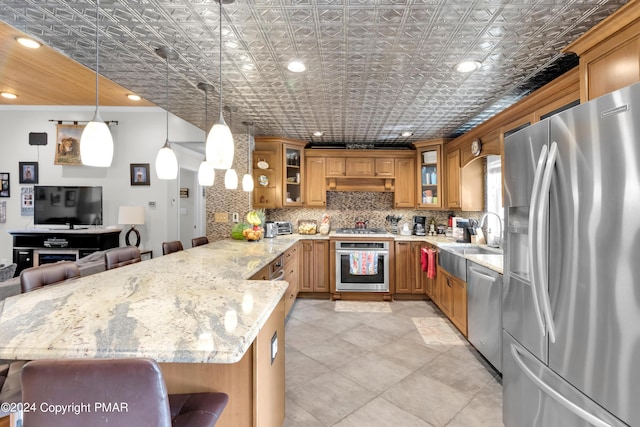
[{"x": 571, "y": 298}]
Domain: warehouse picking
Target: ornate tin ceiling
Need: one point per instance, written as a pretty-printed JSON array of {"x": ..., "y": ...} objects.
[{"x": 375, "y": 68}]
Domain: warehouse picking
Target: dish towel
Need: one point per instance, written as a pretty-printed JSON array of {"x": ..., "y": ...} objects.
[
  {"x": 423, "y": 258},
  {"x": 431, "y": 264},
  {"x": 363, "y": 263}
]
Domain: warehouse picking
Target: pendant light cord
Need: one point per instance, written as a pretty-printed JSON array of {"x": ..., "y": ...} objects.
[
  {"x": 166, "y": 88},
  {"x": 97, "y": 52},
  {"x": 220, "y": 69}
]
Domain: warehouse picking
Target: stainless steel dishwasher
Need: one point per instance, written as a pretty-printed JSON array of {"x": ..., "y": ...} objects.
[{"x": 484, "y": 311}]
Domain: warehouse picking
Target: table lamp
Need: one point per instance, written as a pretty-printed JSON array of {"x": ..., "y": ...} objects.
[{"x": 133, "y": 215}]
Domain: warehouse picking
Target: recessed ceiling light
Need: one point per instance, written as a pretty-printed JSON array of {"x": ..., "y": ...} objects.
[
  {"x": 296, "y": 66},
  {"x": 318, "y": 133},
  {"x": 27, "y": 42},
  {"x": 406, "y": 133},
  {"x": 467, "y": 66},
  {"x": 9, "y": 95},
  {"x": 133, "y": 97}
]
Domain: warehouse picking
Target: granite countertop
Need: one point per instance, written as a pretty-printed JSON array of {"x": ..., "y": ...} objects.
[{"x": 194, "y": 306}]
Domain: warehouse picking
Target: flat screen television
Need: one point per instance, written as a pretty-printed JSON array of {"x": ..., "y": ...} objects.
[{"x": 66, "y": 205}]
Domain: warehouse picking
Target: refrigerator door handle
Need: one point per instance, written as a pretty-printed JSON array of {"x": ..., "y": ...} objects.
[
  {"x": 555, "y": 395},
  {"x": 542, "y": 209},
  {"x": 533, "y": 250}
]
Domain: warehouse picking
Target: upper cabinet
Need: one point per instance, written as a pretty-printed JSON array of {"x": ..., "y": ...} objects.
[
  {"x": 316, "y": 191},
  {"x": 404, "y": 195},
  {"x": 465, "y": 185},
  {"x": 609, "y": 53},
  {"x": 293, "y": 175},
  {"x": 278, "y": 172},
  {"x": 429, "y": 177}
]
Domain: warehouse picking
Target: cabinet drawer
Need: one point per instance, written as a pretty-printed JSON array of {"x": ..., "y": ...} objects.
[{"x": 291, "y": 255}]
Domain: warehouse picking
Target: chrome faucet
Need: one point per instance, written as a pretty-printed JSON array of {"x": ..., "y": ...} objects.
[{"x": 497, "y": 240}]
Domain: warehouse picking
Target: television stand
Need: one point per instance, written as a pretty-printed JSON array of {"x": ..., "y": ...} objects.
[{"x": 35, "y": 246}]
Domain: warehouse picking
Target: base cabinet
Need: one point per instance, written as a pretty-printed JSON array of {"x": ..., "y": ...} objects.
[
  {"x": 452, "y": 299},
  {"x": 291, "y": 275},
  {"x": 314, "y": 266},
  {"x": 409, "y": 278}
]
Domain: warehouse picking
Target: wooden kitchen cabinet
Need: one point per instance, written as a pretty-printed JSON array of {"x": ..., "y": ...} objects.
[
  {"x": 452, "y": 299},
  {"x": 384, "y": 167},
  {"x": 291, "y": 275},
  {"x": 293, "y": 175},
  {"x": 335, "y": 167},
  {"x": 429, "y": 174},
  {"x": 430, "y": 284},
  {"x": 409, "y": 278},
  {"x": 465, "y": 186},
  {"x": 405, "y": 189},
  {"x": 360, "y": 167},
  {"x": 315, "y": 266},
  {"x": 282, "y": 182},
  {"x": 315, "y": 187}
]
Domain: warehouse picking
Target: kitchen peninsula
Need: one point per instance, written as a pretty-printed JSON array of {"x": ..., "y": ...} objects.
[{"x": 194, "y": 311}]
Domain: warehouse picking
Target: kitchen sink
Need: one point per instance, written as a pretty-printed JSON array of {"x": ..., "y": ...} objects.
[
  {"x": 475, "y": 250},
  {"x": 452, "y": 257}
]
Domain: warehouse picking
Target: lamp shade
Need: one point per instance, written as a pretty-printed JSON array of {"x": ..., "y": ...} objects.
[
  {"x": 133, "y": 215},
  {"x": 96, "y": 143},
  {"x": 247, "y": 182},
  {"x": 206, "y": 174},
  {"x": 219, "y": 149},
  {"x": 231, "y": 179},
  {"x": 166, "y": 163}
]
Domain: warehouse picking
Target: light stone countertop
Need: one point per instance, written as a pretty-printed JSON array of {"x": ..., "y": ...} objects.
[{"x": 192, "y": 306}]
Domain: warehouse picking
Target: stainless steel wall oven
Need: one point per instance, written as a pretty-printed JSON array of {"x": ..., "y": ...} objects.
[{"x": 362, "y": 266}]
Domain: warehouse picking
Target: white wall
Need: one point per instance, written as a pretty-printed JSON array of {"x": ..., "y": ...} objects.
[{"x": 137, "y": 138}]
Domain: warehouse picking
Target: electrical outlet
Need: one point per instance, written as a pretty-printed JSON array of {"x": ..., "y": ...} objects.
[
  {"x": 152, "y": 204},
  {"x": 236, "y": 217},
  {"x": 221, "y": 217}
]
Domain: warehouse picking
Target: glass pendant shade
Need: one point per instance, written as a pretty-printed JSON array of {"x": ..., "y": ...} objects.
[
  {"x": 219, "y": 149},
  {"x": 96, "y": 143},
  {"x": 247, "y": 182},
  {"x": 166, "y": 163},
  {"x": 206, "y": 174},
  {"x": 231, "y": 179}
]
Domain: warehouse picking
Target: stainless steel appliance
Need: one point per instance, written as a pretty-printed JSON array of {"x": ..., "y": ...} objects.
[
  {"x": 284, "y": 227},
  {"x": 484, "y": 312},
  {"x": 571, "y": 300},
  {"x": 349, "y": 279},
  {"x": 359, "y": 231},
  {"x": 270, "y": 229}
]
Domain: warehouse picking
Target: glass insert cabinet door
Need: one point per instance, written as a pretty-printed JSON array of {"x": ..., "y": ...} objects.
[
  {"x": 293, "y": 176},
  {"x": 429, "y": 176}
]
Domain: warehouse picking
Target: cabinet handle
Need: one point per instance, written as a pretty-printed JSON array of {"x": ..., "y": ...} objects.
[{"x": 448, "y": 284}]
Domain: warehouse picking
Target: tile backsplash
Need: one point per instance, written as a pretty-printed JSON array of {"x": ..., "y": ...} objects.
[{"x": 344, "y": 208}]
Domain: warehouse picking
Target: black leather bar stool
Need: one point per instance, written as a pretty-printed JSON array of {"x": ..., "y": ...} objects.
[
  {"x": 47, "y": 274},
  {"x": 119, "y": 257},
  {"x": 199, "y": 241},
  {"x": 171, "y": 247}
]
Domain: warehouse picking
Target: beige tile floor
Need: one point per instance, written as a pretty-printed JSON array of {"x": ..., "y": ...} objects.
[{"x": 378, "y": 364}]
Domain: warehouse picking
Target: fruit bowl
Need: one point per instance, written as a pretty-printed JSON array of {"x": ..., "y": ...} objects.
[{"x": 253, "y": 234}]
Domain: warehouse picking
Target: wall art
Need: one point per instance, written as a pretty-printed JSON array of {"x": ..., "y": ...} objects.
[
  {"x": 5, "y": 188},
  {"x": 68, "y": 144},
  {"x": 28, "y": 172},
  {"x": 140, "y": 174}
]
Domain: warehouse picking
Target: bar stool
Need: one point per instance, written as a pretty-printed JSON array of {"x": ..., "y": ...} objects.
[
  {"x": 47, "y": 274},
  {"x": 171, "y": 247},
  {"x": 199, "y": 241},
  {"x": 120, "y": 392},
  {"x": 119, "y": 257}
]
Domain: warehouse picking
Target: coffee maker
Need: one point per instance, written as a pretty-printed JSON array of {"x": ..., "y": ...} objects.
[{"x": 419, "y": 224}]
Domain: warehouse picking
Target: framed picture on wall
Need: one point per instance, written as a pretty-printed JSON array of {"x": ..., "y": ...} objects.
[
  {"x": 68, "y": 144},
  {"x": 28, "y": 172},
  {"x": 140, "y": 174},
  {"x": 5, "y": 188}
]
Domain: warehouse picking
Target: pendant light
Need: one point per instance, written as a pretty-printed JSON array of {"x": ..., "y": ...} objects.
[
  {"x": 219, "y": 148},
  {"x": 230, "y": 176},
  {"x": 206, "y": 174},
  {"x": 96, "y": 142},
  {"x": 166, "y": 160},
  {"x": 247, "y": 179}
]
